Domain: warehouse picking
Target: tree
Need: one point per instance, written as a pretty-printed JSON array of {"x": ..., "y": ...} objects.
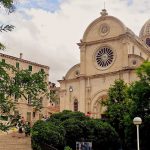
[
  {"x": 75, "y": 127},
  {"x": 54, "y": 97},
  {"x": 139, "y": 92},
  {"x": 118, "y": 107},
  {"x": 9, "y": 5},
  {"x": 102, "y": 135},
  {"x": 15, "y": 83},
  {"x": 47, "y": 133},
  {"x": 31, "y": 86}
]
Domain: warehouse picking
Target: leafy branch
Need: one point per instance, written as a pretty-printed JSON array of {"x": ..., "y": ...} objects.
[
  {"x": 6, "y": 28},
  {"x": 8, "y": 4},
  {"x": 2, "y": 47}
]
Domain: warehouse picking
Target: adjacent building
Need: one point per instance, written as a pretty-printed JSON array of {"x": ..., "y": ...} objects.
[
  {"x": 23, "y": 106},
  {"x": 54, "y": 105},
  {"x": 108, "y": 51}
]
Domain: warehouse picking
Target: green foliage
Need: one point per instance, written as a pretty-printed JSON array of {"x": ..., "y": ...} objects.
[
  {"x": 67, "y": 114},
  {"x": 74, "y": 131},
  {"x": 2, "y": 47},
  {"x": 6, "y": 85},
  {"x": 6, "y": 28},
  {"x": 139, "y": 92},
  {"x": 31, "y": 85},
  {"x": 67, "y": 148},
  {"x": 17, "y": 84},
  {"x": 118, "y": 107},
  {"x": 8, "y": 4},
  {"x": 144, "y": 71},
  {"x": 124, "y": 103},
  {"x": 76, "y": 127},
  {"x": 54, "y": 97},
  {"x": 102, "y": 135},
  {"x": 4, "y": 127},
  {"x": 47, "y": 132}
]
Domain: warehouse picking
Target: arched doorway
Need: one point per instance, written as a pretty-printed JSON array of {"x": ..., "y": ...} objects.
[{"x": 97, "y": 109}]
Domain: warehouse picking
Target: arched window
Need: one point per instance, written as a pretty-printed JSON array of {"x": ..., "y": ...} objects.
[{"x": 75, "y": 105}]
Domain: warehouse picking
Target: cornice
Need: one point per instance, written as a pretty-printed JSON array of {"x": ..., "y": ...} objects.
[
  {"x": 23, "y": 60},
  {"x": 125, "y": 69},
  {"x": 102, "y": 40},
  {"x": 127, "y": 35}
]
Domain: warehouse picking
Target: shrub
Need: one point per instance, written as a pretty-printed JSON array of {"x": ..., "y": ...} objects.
[
  {"x": 67, "y": 128},
  {"x": 47, "y": 133}
]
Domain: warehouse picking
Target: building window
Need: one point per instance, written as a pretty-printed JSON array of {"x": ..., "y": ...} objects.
[
  {"x": 134, "y": 62},
  {"x": 29, "y": 99},
  {"x": 17, "y": 65},
  {"x": 42, "y": 70},
  {"x": 28, "y": 116},
  {"x": 3, "y": 60},
  {"x": 33, "y": 114},
  {"x": 30, "y": 68},
  {"x": 104, "y": 57},
  {"x": 75, "y": 105}
]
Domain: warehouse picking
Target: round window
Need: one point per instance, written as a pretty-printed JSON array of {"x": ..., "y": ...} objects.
[
  {"x": 104, "y": 57},
  {"x": 134, "y": 62}
]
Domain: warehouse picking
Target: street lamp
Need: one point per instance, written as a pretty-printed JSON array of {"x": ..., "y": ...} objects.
[
  {"x": 137, "y": 121},
  {"x": 70, "y": 89}
]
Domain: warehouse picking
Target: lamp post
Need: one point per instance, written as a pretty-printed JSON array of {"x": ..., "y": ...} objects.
[
  {"x": 137, "y": 121},
  {"x": 70, "y": 90}
]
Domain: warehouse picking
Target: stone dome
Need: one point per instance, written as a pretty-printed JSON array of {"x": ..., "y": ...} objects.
[{"x": 145, "y": 31}]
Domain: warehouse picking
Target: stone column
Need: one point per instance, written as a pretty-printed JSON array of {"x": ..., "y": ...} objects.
[
  {"x": 82, "y": 104},
  {"x": 125, "y": 47},
  {"x": 82, "y": 60}
]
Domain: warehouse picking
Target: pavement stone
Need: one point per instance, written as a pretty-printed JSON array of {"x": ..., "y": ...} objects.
[{"x": 14, "y": 141}]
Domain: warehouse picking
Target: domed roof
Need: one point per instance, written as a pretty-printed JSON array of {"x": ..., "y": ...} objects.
[{"x": 145, "y": 31}]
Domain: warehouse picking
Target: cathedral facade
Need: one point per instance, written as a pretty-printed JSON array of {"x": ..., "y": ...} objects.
[{"x": 108, "y": 51}]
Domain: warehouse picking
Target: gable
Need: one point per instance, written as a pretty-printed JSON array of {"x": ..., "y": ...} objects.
[{"x": 104, "y": 27}]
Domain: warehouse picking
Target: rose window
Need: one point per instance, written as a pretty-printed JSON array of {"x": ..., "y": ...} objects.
[{"x": 104, "y": 57}]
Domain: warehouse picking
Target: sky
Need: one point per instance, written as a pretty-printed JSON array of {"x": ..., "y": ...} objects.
[{"x": 46, "y": 31}]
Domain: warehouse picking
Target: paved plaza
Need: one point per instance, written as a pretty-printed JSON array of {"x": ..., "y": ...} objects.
[{"x": 14, "y": 141}]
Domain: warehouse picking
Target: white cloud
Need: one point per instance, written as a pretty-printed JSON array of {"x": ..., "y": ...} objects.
[{"x": 50, "y": 38}]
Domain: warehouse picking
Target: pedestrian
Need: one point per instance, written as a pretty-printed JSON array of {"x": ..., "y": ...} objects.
[{"x": 27, "y": 128}]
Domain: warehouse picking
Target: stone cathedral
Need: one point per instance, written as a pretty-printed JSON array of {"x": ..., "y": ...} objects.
[{"x": 108, "y": 51}]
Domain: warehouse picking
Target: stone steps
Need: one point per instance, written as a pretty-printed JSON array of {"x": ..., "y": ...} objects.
[{"x": 15, "y": 142}]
